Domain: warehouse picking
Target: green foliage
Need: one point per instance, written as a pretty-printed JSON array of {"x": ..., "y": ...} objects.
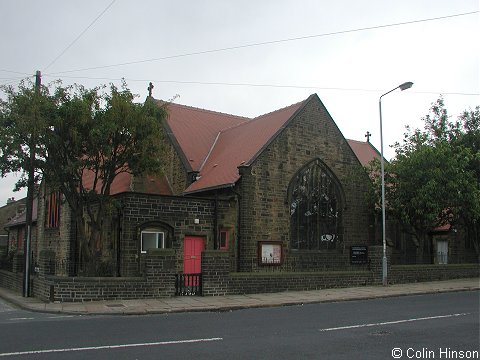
[
  {"x": 434, "y": 178},
  {"x": 23, "y": 118},
  {"x": 84, "y": 139}
]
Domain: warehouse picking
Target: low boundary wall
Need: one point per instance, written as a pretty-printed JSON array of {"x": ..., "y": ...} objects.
[
  {"x": 400, "y": 274},
  {"x": 159, "y": 279}
]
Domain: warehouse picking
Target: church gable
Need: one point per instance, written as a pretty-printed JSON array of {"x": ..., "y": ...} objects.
[{"x": 310, "y": 137}]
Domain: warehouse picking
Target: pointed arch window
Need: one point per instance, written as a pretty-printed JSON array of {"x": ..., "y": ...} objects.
[{"x": 316, "y": 203}]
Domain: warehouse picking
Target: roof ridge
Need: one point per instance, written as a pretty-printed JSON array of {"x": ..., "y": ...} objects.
[
  {"x": 162, "y": 102},
  {"x": 359, "y": 141},
  {"x": 261, "y": 116},
  {"x": 281, "y": 109}
]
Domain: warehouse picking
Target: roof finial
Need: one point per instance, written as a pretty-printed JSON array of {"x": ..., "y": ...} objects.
[
  {"x": 150, "y": 88},
  {"x": 367, "y": 135}
]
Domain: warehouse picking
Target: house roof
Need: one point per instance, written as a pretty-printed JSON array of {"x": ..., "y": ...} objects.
[
  {"x": 196, "y": 129},
  {"x": 9, "y": 211},
  {"x": 364, "y": 151},
  {"x": 21, "y": 217},
  {"x": 217, "y": 144},
  {"x": 125, "y": 182}
]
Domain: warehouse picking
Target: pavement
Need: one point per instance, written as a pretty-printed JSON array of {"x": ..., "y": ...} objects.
[{"x": 235, "y": 302}]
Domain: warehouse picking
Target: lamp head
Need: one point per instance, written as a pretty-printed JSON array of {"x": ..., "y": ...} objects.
[{"x": 406, "y": 85}]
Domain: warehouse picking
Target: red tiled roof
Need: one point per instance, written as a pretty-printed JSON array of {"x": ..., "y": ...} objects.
[
  {"x": 125, "y": 182},
  {"x": 121, "y": 183},
  {"x": 196, "y": 130},
  {"x": 219, "y": 143},
  {"x": 364, "y": 151},
  {"x": 216, "y": 144}
]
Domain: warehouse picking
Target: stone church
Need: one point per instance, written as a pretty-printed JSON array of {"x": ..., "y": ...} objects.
[
  {"x": 280, "y": 192},
  {"x": 274, "y": 203}
]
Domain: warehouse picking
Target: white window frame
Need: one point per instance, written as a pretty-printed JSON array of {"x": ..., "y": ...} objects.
[{"x": 160, "y": 239}]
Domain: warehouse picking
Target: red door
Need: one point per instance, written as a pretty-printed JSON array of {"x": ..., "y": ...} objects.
[{"x": 192, "y": 254}]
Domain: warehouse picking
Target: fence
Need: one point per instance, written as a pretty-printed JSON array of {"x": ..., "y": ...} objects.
[{"x": 188, "y": 285}]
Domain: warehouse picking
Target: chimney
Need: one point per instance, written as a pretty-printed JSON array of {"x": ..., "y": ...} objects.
[{"x": 10, "y": 200}]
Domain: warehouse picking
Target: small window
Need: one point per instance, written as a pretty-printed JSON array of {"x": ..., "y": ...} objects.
[
  {"x": 223, "y": 240},
  {"x": 53, "y": 210},
  {"x": 152, "y": 240},
  {"x": 20, "y": 238}
]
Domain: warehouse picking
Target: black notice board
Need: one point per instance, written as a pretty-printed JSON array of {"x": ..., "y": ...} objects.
[{"x": 359, "y": 254}]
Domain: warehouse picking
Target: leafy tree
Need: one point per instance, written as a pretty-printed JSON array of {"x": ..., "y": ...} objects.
[
  {"x": 89, "y": 137},
  {"x": 467, "y": 134},
  {"x": 431, "y": 180},
  {"x": 23, "y": 117}
]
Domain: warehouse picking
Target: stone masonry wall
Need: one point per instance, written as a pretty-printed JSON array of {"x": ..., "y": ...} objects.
[
  {"x": 174, "y": 170},
  {"x": 178, "y": 212},
  {"x": 159, "y": 280},
  {"x": 59, "y": 239},
  {"x": 264, "y": 204}
]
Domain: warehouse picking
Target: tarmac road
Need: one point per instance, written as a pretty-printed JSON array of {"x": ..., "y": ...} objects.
[{"x": 431, "y": 326}]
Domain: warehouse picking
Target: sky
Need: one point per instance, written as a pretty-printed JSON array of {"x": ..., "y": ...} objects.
[{"x": 250, "y": 57}]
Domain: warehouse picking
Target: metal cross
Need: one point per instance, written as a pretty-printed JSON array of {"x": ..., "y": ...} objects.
[
  {"x": 150, "y": 88},
  {"x": 367, "y": 135}
]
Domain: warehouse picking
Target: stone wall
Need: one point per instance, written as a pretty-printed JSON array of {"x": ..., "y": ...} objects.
[
  {"x": 401, "y": 274},
  {"x": 159, "y": 280},
  {"x": 264, "y": 207},
  {"x": 60, "y": 239},
  {"x": 216, "y": 273},
  {"x": 177, "y": 212},
  {"x": 11, "y": 280},
  {"x": 174, "y": 168}
]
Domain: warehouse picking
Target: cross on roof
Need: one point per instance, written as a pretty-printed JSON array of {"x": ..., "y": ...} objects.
[
  {"x": 150, "y": 88},
  {"x": 367, "y": 135}
]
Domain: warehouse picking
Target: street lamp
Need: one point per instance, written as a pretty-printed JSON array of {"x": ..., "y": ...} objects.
[{"x": 404, "y": 86}]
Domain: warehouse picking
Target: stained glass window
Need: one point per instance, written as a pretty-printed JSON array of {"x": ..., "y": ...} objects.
[{"x": 315, "y": 208}]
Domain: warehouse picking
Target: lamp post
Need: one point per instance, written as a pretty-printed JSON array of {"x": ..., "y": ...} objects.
[{"x": 404, "y": 86}]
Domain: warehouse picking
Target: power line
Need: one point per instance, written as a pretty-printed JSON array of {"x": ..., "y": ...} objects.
[
  {"x": 267, "y": 43},
  {"x": 259, "y": 85},
  {"x": 80, "y": 35},
  {"x": 14, "y": 72},
  {"x": 15, "y": 80}
]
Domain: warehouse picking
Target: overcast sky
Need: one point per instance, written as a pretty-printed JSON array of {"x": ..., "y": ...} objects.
[{"x": 252, "y": 57}]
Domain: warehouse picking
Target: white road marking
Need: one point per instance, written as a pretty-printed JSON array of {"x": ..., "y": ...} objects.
[
  {"x": 21, "y": 318},
  {"x": 119, "y": 346},
  {"x": 60, "y": 316},
  {"x": 393, "y": 322}
]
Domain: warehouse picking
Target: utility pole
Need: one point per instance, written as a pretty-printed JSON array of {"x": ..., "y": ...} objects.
[{"x": 30, "y": 195}]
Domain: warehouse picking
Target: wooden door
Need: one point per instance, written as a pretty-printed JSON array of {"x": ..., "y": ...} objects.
[{"x": 192, "y": 254}]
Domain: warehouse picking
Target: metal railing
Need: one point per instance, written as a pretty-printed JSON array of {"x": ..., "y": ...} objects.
[{"x": 188, "y": 284}]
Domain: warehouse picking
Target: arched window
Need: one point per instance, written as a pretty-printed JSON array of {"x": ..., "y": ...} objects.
[{"x": 316, "y": 203}]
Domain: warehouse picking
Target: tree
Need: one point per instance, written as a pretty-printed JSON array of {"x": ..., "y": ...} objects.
[
  {"x": 467, "y": 135},
  {"x": 431, "y": 180},
  {"x": 89, "y": 137},
  {"x": 23, "y": 117}
]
